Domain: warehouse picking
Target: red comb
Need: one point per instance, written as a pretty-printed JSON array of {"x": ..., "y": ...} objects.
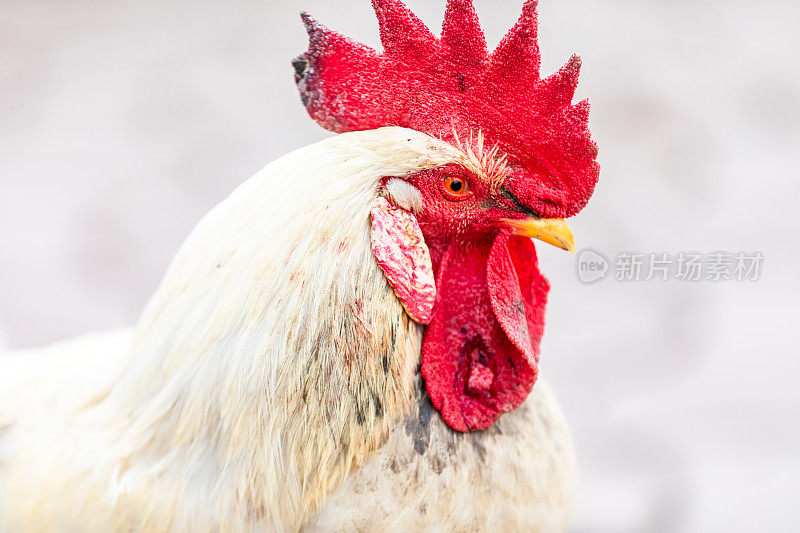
[{"x": 453, "y": 86}]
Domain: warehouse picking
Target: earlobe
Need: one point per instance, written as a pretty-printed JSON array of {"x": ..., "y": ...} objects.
[
  {"x": 404, "y": 194},
  {"x": 400, "y": 250}
]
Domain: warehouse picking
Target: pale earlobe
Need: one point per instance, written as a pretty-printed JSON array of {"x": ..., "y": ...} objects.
[
  {"x": 401, "y": 252},
  {"x": 404, "y": 194}
]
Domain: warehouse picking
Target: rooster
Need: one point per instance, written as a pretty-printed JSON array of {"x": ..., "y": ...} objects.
[{"x": 350, "y": 340}]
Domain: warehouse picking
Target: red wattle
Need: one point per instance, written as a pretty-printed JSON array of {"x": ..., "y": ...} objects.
[{"x": 480, "y": 351}]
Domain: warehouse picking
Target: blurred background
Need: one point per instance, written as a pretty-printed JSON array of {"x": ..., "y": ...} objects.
[{"x": 122, "y": 123}]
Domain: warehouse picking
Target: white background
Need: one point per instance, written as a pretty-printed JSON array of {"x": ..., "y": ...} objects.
[{"x": 122, "y": 123}]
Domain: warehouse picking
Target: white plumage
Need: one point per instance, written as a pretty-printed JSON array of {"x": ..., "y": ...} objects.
[{"x": 271, "y": 384}]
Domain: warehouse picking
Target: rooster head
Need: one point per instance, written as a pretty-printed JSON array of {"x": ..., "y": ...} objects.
[{"x": 453, "y": 240}]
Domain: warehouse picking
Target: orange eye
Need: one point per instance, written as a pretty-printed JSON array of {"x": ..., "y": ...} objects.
[{"x": 456, "y": 186}]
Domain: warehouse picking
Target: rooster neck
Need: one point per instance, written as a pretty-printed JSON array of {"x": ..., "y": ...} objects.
[{"x": 274, "y": 358}]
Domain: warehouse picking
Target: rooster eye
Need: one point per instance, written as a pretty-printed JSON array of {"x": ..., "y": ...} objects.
[{"x": 456, "y": 186}]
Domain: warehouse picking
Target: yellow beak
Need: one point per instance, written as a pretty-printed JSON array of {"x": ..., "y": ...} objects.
[{"x": 553, "y": 231}]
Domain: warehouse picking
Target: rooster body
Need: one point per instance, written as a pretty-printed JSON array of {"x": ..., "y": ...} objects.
[
  {"x": 261, "y": 374},
  {"x": 351, "y": 340}
]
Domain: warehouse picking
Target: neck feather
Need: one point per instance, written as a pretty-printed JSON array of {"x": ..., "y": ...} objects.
[{"x": 275, "y": 357}]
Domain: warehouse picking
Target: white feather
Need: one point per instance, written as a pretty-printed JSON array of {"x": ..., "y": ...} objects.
[
  {"x": 404, "y": 194},
  {"x": 235, "y": 392},
  {"x": 273, "y": 360}
]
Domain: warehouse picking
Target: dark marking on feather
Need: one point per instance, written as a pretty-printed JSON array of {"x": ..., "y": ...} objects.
[
  {"x": 436, "y": 464},
  {"x": 394, "y": 466},
  {"x": 480, "y": 449},
  {"x": 378, "y": 405},
  {"x": 419, "y": 428},
  {"x": 452, "y": 443},
  {"x": 360, "y": 416}
]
